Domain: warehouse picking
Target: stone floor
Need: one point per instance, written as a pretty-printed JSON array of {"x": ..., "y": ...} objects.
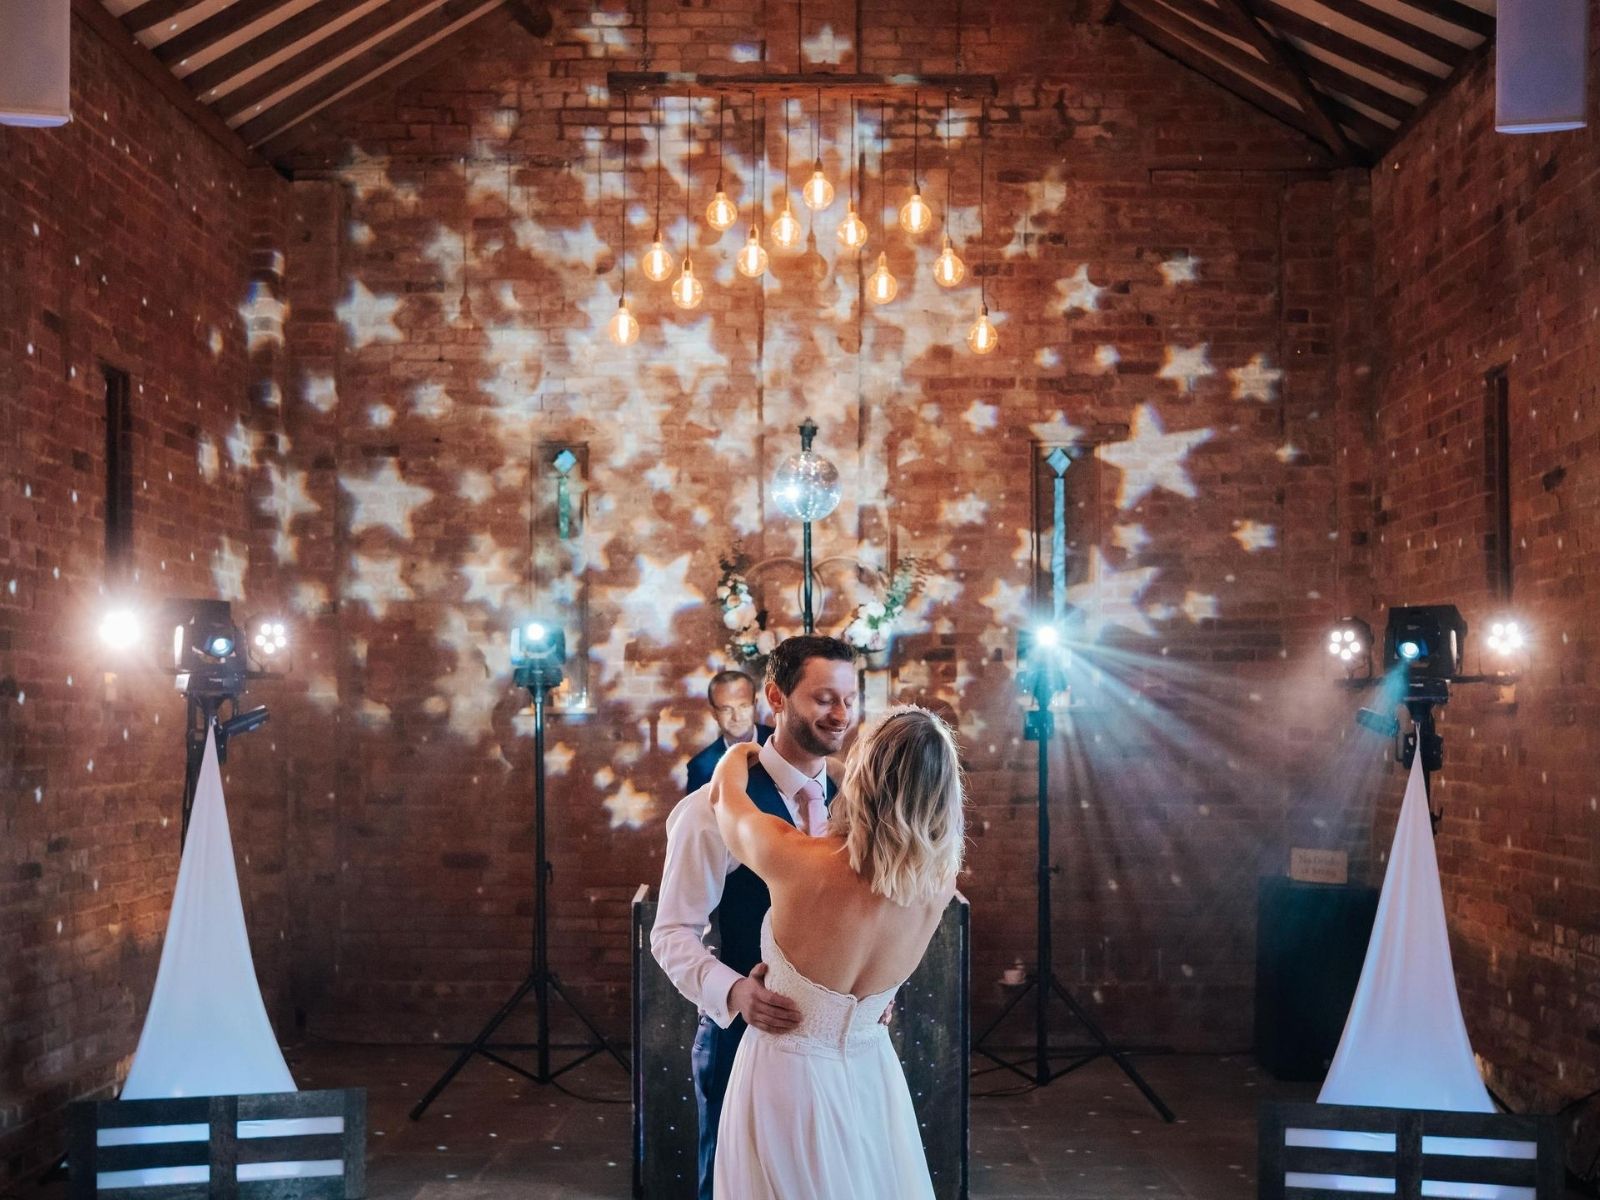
[{"x": 1090, "y": 1135}]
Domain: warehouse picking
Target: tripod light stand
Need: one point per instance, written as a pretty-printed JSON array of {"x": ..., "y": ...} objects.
[
  {"x": 1044, "y": 659},
  {"x": 537, "y": 652}
]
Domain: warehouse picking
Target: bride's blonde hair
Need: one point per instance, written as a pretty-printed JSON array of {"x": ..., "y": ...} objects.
[{"x": 899, "y": 808}]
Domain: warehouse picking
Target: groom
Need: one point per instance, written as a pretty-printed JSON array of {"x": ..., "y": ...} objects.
[{"x": 811, "y": 689}]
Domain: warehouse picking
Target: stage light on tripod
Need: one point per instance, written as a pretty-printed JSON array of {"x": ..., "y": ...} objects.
[
  {"x": 538, "y": 649},
  {"x": 243, "y": 722},
  {"x": 219, "y": 645},
  {"x": 1350, "y": 642},
  {"x": 120, "y": 629}
]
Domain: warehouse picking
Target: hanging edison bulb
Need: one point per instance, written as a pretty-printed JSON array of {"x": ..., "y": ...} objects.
[
  {"x": 786, "y": 230},
  {"x": 721, "y": 213},
  {"x": 852, "y": 230},
  {"x": 948, "y": 269},
  {"x": 623, "y": 329},
  {"x": 818, "y": 192},
  {"x": 686, "y": 289},
  {"x": 657, "y": 264},
  {"x": 915, "y": 215},
  {"x": 881, "y": 285},
  {"x": 982, "y": 337},
  {"x": 752, "y": 259}
]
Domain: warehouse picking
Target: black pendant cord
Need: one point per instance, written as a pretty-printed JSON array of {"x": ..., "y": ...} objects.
[
  {"x": 722, "y": 105},
  {"x": 688, "y": 173},
  {"x": 949, "y": 170},
  {"x": 622, "y": 221},
  {"x": 916, "y": 138},
  {"x": 855, "y": 178},
  {"x": 656, "y": 106},
  {"x": 816, "y": 134},
  {"x": 983, "y": 223}
]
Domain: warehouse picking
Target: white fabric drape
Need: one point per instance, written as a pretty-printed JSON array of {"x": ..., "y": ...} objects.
[
  {"x": 1405, "y": 1043},
  {"x": 206, "y": 1032}
]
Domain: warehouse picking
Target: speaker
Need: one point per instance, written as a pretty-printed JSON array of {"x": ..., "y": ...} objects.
[
  {"x": 1311, "y": 942},
  {"x": 35, "y": 62}
]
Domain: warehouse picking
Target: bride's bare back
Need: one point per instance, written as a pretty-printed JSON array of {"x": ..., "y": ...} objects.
[{"x": 837, "y": 932}]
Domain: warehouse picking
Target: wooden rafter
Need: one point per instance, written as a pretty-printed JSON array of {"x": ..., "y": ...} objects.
[
  {"x": 305, "y": 64},
  {"x": 381, "y": 56},
  {"x": 1292, "y": 24},
  {"x": 1330, "y": 77},
  {"x": 222, "y": 24},
  {"x": 1158, "y": 26},
  {"x": 1372, "y": 133},
  {"x": 153, "y": 12},
  {"x": 1423, "y": 41},
  {"x": 304, "y": 24},
  {"x": 1464, "y": 16},
  {"x": 1274, "y": 51}
]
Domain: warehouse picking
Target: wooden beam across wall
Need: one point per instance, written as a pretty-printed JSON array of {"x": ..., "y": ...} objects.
[
  {"x": 1329, "y": 77},
  {"x": 866, "y": 87}
]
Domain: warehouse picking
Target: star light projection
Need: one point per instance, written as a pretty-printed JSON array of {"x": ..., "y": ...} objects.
[
  {"x": 1151, "y": 458},
  {"x": 652, "y": 512}
]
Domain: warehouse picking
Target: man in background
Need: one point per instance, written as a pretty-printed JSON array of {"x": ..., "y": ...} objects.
[{"x": 732, "y": 695}]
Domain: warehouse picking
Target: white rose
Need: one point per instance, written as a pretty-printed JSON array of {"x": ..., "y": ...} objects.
[
  {"x": 766, "y": 642},
  {"x": 746, "y": 613},
  {"x": 731, "y": 619},
  {"x": 874, "y": 608},
  {"x": 722, "y": 590}
]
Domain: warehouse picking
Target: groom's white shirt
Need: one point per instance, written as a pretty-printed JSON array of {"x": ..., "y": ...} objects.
[{"x": 698, "y": 862}]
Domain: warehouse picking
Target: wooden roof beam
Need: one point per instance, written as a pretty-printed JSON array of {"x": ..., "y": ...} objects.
[
  {"x": 284, "y": 34},
  {"x": 1276, "y": 53},
  {"x": 223, "y": 23},
  {"x": 1289, "y": 23},
  {"x": 1423, "y": 41},
  {"x": 803, "y": 84},
  {"x": 306, "y": 62},
  {"x": 154, "y": 12},
  {"x": 377, "y": 59},
  {"x": 1156, "y": 26}
]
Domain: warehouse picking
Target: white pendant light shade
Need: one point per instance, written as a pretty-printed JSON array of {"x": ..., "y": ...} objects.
[{"x": 1541, "y": 58}]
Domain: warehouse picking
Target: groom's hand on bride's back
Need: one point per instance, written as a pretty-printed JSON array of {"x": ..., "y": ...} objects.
[{"x": 760, "y": 1008}]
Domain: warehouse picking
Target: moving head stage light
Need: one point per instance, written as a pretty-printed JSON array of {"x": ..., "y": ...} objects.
[{"x": 1428, "y": 641}]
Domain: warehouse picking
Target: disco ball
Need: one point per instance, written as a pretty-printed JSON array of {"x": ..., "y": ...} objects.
[{"x": 806, "y": 487}]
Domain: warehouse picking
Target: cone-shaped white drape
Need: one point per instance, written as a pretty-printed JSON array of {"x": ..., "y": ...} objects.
[
  {"x": 1405, "y": 1044},
  {"x": 207, "y": 1032}
]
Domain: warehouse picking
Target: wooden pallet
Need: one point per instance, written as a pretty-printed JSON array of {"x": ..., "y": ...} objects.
[
  {"x": 1409, "y": 1163},
  {"x": 224, "y": 1151}
]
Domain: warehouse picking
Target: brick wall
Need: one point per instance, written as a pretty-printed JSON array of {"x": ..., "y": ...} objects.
[
  {"x": 1485, "y": 259},
  {"x": 127, "y": 240},
  {"x": 1156, "y": 254}
]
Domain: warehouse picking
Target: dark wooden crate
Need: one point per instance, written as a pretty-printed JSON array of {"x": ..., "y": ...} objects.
[
  {"x": 1408, "y": 1164},
  {"x": 224, "y": 1150},
  {"x": 931, "y": 1031}
]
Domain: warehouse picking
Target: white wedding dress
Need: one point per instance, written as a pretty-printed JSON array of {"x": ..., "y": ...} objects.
[{"x": 821, "y": 1111}]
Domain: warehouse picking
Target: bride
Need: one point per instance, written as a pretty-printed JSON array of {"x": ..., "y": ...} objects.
[{"x": 824, "y": 1110}]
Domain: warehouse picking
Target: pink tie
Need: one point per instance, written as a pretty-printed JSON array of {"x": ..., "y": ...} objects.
[{"x": 812, "y": 808}]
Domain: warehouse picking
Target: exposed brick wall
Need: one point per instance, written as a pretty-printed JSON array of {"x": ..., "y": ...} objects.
[
  {"x": 1104, "y": 156},
  {"x": 125, "y": 239},
  {"x": 1485, "y": 257}
]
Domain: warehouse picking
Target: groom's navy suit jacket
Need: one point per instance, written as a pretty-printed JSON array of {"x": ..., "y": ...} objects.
[{"x": 745, "y": 901}]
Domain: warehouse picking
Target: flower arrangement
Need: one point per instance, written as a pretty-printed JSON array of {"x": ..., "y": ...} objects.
[
  {"x": 873, "y": 621},
  {"x": 749, "y": 640}
]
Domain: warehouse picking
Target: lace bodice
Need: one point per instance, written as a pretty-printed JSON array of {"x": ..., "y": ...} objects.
[{"x": 829, "y": 1020}]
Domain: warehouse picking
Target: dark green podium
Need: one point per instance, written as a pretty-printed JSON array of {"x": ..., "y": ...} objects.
[{"x": 930, "y": 1031}]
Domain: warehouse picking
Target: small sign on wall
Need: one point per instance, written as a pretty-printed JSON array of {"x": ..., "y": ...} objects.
[{"x": 1319, "y": 866}]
